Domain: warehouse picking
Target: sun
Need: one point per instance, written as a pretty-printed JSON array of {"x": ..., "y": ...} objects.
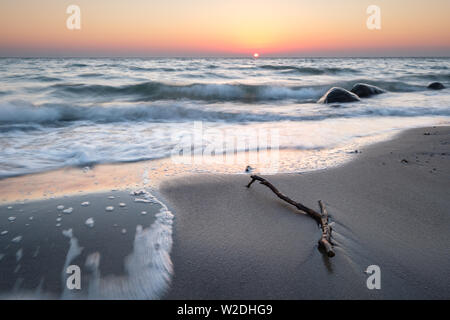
[{"x": 256, "y": 55}]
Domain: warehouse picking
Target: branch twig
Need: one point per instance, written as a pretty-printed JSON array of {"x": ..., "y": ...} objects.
[{"x": 321, "y": 218}]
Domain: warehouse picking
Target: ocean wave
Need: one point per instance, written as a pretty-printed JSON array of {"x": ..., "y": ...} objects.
[
  {"x": 444, "y": 77},
  {"x": 387, "y": 85},
  {"x": 152, "y": 91},
  {"x": 309, "y": 70},
  {"x": 134, "y": 68},
  {"x": 45, "y": 79},
  {"x": 90, "y": 75},
  {"x": 76, "y": 65},
  {"x": 33, "y": 77},
  {"x": 214, "y": 92},
  {"x": 22, "y": 112},
  {"x": 24, "y": 116}
]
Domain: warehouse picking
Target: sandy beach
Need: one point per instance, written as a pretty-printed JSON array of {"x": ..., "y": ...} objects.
[
  {"x": 221, "y": 158},
  {"x": 110, "y": 236},
  {"x": 390, "y": 207}
]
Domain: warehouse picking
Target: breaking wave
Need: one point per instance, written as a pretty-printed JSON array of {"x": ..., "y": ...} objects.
[
  {"x": 152, "y": 91},
  {"x": 308, "y": 70},
  {"x": 64, "y": 112},
  {"x": 22, "y": 115},
  {"x": 212, "y": 92}
]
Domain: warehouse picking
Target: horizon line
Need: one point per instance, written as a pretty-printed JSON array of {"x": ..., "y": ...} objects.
[{"x": 223, "y": 57}]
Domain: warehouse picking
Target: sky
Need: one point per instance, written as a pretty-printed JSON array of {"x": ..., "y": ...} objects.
[{"x": 225, "y": 28}]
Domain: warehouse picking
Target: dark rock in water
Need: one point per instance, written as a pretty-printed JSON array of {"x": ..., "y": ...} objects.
[
  {"x": 364, "y": 90},
  {"x": 436, "y": 86},
  {"x": 336, "y": 94}
]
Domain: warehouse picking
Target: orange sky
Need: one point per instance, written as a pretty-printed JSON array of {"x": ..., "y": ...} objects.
[{"x": 225, "y": 27}]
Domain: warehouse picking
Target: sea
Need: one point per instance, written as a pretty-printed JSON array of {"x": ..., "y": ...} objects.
[
  {"x": 85, "y": 112},
  {"x": 60, "y": 112}
]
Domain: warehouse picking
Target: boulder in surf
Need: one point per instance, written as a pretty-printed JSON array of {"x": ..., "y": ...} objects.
[
  {"x": 436, "y": 86},
  {"x": 364, "y": 90},
  {"x": 337, "y": 94}
]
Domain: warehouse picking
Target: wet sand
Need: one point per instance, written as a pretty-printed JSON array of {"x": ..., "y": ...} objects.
[
  {"x": 230, "y": 242},
  {"x": 35, "y": 245},
  {"x": 390, "y": 207}
]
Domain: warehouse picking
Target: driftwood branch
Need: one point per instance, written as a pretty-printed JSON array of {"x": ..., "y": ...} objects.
[{"x": 321, "y": 218}]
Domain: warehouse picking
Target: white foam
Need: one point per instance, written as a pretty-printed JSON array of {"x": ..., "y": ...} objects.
[
  {"x": 99, "y": 143},
  {"x": 149, "y": 267},
  {"x": 36, "y": 252},
  {"x": 17, "y": 239},
  {"x": 68, "y": 210},
  {"x": 19, "y": 254},
  {"x": 90, "y": 222},
  {"x": 142, "y": 200}
]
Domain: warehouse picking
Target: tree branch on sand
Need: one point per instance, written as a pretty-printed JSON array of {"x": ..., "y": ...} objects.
[{"x": 321, "y": 218}]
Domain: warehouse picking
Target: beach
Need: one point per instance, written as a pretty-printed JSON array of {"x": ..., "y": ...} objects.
[
  {"x": 125, "y": 178},
  {"x": 231, "y": 242},
  {"x": 188, "y": 153},
  {"x": 206, "y": 236},
  {"x": 117, "y": 239}
]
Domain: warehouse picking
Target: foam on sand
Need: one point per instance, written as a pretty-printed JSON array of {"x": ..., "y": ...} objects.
[{"x": 148, "y": 266}]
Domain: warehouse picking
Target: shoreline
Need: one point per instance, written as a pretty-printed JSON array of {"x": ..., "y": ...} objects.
[
  {"x": 234, "y": 243},
  {"x": 71, "y": 181},
  {"x": 230, "y": 242}
]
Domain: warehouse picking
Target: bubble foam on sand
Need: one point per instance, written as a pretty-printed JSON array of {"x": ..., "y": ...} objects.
[
  {"x": 68, "y": 210},
  {"x": 149, "y": 267},
  {"x": 19, "y": 254},
  {"x": 142, "y": 200},
  {"x": 90, "y": 222},
  {"x": 17, "y": 239}
]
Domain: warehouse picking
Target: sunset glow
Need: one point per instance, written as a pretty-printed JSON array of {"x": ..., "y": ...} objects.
[{"x": 224, "y": 28}]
